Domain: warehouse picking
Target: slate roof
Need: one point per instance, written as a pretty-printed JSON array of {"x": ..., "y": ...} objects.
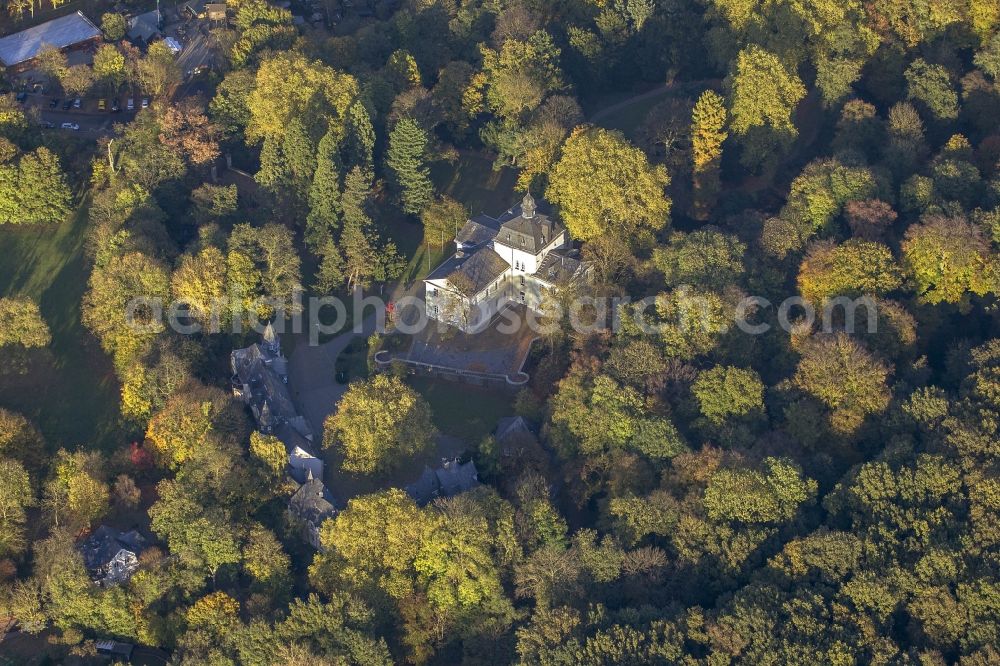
[
  {"x": 481, "y": 267},
  {"x": 143, "y": 27},
  {"x": 510, "y": 426},
  {"x": 529, "y": 230},
  {"x": 260, "y": 375},
  {"x": 263, "y": 369},
  {"x": 478, "y": 230},
  {"x": 455, "y": 477},
  {"x": 104, "y": 543},
  {"x": 450, "y": 479},
  {"x": 425, "y": 488},
  {"x": 62, "y": 32},
  {"x": 559, "y": 266},
  {"x": 313, "y": 503},
  {"x": 304, "y": 465}
]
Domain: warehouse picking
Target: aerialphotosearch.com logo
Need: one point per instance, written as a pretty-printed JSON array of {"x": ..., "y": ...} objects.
[{"x": 683, "y": 309}]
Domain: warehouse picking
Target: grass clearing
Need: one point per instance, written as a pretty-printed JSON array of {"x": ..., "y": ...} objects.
[
  {"x": 629, "y": 119},
  {"x": 470, "y": 180},
  {"x": 69, "y": 388},
  {"x": 462, "y": 410}
]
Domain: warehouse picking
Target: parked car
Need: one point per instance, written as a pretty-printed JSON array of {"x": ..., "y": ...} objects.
[
  {"x": 101, "y": 105},
  {"x": 54, "y": 103},
  {"x": 115, "y": 106},
  {"x": 46, "y": 124},
  {"x": 70, "y": 126},
  {"x": 77, "y": 103},
  {"x": 21, "y": 96},
  {"x": 130, "y": 105},
  {"x": 67, "y": 105},
  {"x": 145, "y": 102}
]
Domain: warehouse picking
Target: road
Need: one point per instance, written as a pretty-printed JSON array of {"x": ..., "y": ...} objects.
[
  {"x": 312, "y": 371},
  {"x": 198, "y": 51}
]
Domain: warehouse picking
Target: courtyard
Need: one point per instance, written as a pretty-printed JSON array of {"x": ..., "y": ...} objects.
[{"x": 492, "y": 351}]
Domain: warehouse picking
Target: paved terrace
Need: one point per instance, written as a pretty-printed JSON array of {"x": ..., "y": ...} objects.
[{"x": 488, "y": 351}]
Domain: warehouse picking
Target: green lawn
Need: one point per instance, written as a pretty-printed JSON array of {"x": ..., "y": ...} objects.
[
  {"x": 69, "y": 388},
  {"x": 460, "y": 410},
  {"x": 629, "y": 119},
  {"x": 471, "y": 180}
]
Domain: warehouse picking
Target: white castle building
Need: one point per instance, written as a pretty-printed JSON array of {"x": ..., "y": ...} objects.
[{"x": 516, "y": 258}]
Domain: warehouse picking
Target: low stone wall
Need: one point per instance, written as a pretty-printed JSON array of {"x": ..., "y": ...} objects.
[{"x": 384, "y": 361}]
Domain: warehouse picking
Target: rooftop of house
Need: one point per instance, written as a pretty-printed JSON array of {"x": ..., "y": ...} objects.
[
  {"x": 263, "y": 369},
  {"x": 456, "y": 477},
  {"x": 143, "y": 27},
  {"x": 479, "y": 271},
  {"x": 104, "y": 543},
  {"x": 450, "y": 479},
  {"x": 304, "y": 465},
  {"x": 560, "y": 266},
  {"x": 511, "y": 426},
  {"x": 523, "y": 227},
  {"x": 59, "y": 33},
  {"x": 528, "y": 226},
  {"x": 478, "y": 230},
  {"x": 313, "y": 502}
]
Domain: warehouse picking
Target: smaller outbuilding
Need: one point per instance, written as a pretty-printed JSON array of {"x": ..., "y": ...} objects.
[
  {"x": 215, "y": 11},
  {"x": 114, "y": 649},
  {"x": 195, "y": 8},
  {"x": 311, "y": 504},
  {"x": 112, "y": 556},
  {"x": 451, "y": 478},
  {"x": 143, "y": 28}
]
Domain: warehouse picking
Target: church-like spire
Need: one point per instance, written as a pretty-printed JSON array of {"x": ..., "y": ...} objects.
[
  {"x": 528, "y": 206},
  {"x": 271, "y": 340}
]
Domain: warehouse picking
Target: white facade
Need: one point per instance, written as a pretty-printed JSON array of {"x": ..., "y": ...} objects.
[{"x": 506, "y": 268}]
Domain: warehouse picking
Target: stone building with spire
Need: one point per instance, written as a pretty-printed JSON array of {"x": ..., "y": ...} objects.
[
  {"x": 518, "y": 257},
  {"x": 260, "y": 379}
]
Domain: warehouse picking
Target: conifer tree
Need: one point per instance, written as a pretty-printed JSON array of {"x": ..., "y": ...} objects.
[
  {"x": 359, "y": 142},
  {"x": 324, "y": 194},
  {"x": 407, "y": 159},
  {"x": 708, "y": 131}
]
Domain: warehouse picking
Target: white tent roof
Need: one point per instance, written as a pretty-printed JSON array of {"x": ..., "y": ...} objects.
[{"x": 61, "y": 32}]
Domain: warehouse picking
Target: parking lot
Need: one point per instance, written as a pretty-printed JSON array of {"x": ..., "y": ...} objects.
[
  {"x": 52, "y": 109},
  {"x": 88, "y": 116}
]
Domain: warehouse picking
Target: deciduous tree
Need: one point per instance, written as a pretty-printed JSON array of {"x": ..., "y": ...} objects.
[
  {"x": 845, "y": 377},
  {"x": 378, "y": 424},
  {"x": 763, "y": 97},
  {"x": 604, "y": 185},
  {"x": 948, "y": 259},
  {"x": 21, "y": 323}
]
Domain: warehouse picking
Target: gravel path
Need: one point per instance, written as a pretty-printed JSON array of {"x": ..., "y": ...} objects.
[{"x": 311, "y": 376}]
